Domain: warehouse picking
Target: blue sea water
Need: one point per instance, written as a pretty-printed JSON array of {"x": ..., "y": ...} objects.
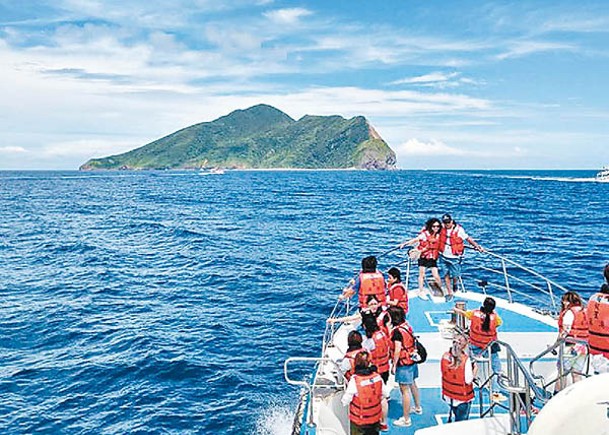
[{"x": 166, "y": 302}]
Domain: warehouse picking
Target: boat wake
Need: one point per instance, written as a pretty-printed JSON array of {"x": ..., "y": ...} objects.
[
  {"x": 275, "y": 420},
  {"x": 530, "y": 177}
]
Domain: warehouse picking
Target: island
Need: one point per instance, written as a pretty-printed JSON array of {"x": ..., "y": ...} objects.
[{"x": 261, "y": 137}]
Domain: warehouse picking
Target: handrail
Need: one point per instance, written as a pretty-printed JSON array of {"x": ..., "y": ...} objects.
[
  {"x": 549, "y": 282},
  {"x": 511, "y": 383},
  {"x": 310, "y": 387},
  {"x": 539, "y": 392},
  {"x": 560, "y": 345}
]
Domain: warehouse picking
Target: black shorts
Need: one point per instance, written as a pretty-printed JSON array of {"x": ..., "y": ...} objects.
[{"x": 428, "y": 262}]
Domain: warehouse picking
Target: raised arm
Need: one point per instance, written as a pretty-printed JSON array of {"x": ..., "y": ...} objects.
[{"x": 410, "y": 242}]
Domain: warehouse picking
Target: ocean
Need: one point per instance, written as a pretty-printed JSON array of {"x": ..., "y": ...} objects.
[{"x": 166, "y": 302}]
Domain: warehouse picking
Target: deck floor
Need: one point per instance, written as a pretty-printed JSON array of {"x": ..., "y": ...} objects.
[{"x": 527, "y": 332}]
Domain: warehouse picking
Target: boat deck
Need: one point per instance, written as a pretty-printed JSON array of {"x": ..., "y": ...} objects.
[{"x": 527, "y": 331}]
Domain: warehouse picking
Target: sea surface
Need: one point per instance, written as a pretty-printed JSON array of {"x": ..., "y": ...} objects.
[{"x": 166, "y": 302}]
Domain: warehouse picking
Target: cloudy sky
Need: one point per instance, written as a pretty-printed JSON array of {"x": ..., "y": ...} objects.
[{"x": 467, "y": 84}]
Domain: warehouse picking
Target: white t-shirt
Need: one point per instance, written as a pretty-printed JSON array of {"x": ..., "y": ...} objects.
[
  {"x": 351, "y": 391},
  {"x": 567, "y": 321},
  {"x": 447, "y": 248}
]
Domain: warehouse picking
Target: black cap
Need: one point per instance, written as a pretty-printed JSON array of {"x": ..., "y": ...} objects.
[{"x": 447, "y": 218}]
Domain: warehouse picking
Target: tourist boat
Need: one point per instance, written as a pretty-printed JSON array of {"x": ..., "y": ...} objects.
[
  {"x": 528, "y": 303},
  {"x": 603, "y": 175},
  {"x": 211, "y": 171}
]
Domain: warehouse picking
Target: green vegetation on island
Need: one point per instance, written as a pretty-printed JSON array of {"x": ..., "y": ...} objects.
[{"x": 261, "y": 137}]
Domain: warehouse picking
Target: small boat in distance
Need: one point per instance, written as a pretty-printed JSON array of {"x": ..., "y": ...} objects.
[
  {"x": 603, "y": 175},
  {"x": 211, "y": 171}
]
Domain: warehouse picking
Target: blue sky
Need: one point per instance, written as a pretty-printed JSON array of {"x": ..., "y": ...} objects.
[{"x": 467, "y": 84}]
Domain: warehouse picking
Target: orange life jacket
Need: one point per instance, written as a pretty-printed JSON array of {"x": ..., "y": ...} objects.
[
  {"x": 380, "y": 355},
  {"x": 398, "y": 292},
  {"x": 598, "y": 320},
  {"x": 408, "y": 348},
  {"x": 453, "y": 380},
  {"x": 579, "y": 328},
  {"x": 380, "y": 320},
  {"x": 371, "y": 283},
  {"x": 456, "y": 242},
  {"x": 477, "y": 336},
  {"x": 430, "y": 246},
  {"x": 351, "y": 357},
  {"x": 365, "y": 407}
]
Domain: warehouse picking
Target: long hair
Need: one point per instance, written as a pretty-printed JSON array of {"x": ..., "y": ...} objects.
[
  {"x": 456, "y": 354},
  {"x": 354, "y": 340},
  {"x": 429, "y": 224},
  {"x": 370, "y": 326},
  {"x": 362, "y": 360},
  {"x": 606, "y": 272},
  {"x": 487, "y": 308},
  {"x": 571, "y": 298},
  {"x": 397, "y": 315}
]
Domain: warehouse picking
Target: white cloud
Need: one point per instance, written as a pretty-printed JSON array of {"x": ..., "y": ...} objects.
[
  {"x": 415, "y": 147},
  {"x": 287, "y": 15},
  {"x": 12, "y": 150},
  {"x": 427, "y": 78},
  {"x": 86, "y": 148},
  {"x": 525, "y": 48}
]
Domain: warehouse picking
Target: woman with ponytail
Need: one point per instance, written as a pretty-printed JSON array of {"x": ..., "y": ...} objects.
[{"x": 483, "y": 331}]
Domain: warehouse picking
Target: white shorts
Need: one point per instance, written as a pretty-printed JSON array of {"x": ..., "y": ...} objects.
[{"x": 599, "y": 363}]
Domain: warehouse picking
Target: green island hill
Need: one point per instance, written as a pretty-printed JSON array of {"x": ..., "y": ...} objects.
[{"x": 261, "y": 137}]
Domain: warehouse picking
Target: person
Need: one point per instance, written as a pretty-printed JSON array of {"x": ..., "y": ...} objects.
[
  {"x": 427, "y": 243},
  {"x": 354, "y": 346},
  {"x": 377, "y": 344},
  {"x": 451, "y": 249},
  {"x": 572, "y": 323},
  {"x": 598, "y": 327},
  {"x": 365, "y": 394},
  {"x": 404, "y": 365},
  {"x": 373, "y": 310},
  {"x": 482, "y": 331},
  {"x": 458, "y": 373},
  {"x": 397, "y": 294},
  {"x": 368, "y": 282}
]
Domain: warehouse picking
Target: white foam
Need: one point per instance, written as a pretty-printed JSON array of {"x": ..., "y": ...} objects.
[{"x": 277, "y": 419}]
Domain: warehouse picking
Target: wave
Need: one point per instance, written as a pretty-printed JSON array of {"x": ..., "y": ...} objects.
[{"x": 276, "y": 419}]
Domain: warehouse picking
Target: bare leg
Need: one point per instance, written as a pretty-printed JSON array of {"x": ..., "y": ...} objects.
[
  {"x": 436, "y": 276},
  {"x": 405, "y": 401},
  {"x": 449, "y": 284},
  {"x": 385, "y": 408},
  {"x": 414, "y": 389},
  {"x": 421, "y": 279}
]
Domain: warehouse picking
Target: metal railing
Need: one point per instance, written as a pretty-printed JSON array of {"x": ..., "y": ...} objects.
[
  {"x": 562, "y": 349},
  {"x": 310, "y": 387},
  {"x": 494, "y": 271},
  {"x": 518, "y": 382}
]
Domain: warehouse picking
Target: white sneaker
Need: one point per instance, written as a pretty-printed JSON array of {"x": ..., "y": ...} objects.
[
  {"x": 402, "y": 422},
  {"x": 417, "y": 410}
]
